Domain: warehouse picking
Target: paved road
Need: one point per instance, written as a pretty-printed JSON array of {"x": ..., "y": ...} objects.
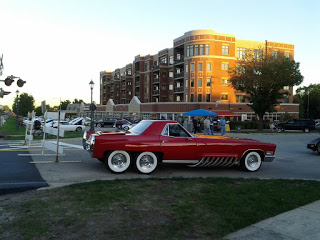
[
  {"x": 16, "y": 174},
  {"x": 293, "y": 161}
]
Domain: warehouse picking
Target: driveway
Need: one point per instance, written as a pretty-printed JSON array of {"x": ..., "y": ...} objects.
[{"x": 293, "y": 161}]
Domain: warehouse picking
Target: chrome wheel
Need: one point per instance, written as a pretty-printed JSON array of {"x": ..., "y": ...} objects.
[
  {"x": 306, "y": 130},
  {"x": 98, "y": 125},
  {"x": 119, "y": 161},
  {"x": 78, "y": 129},
  {"x": 251, "y": 162},
  {"x": 146, "y": 162}
]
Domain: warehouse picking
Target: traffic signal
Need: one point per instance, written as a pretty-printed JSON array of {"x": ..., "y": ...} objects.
[
  {"x": 20, "y": 82},
  {"x": 2, "y": 93},
  {"x": 8, "y": 81}
]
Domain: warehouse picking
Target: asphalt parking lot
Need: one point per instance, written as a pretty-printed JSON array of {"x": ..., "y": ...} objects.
[{"x": 293, "y": 161}]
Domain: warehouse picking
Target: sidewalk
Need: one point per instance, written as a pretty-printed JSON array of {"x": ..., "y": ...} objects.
[{"x": 300, "y": 223}]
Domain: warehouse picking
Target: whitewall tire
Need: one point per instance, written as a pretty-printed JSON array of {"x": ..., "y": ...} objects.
[
  {"x": 146, "y": 162},
  {"x": 118, "y": 161},
  {"x": 251, "y": 162}
]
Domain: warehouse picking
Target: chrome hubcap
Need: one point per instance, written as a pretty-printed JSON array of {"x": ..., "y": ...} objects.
[
  {"x": 119, "y": 160},
  {"x": 146, "y": 161},
  {"x": 252, "y": 161}
]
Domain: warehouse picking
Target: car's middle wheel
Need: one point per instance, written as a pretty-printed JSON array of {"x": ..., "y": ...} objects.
[
  {"x": 251, "y": 162},
  {"x": 146, "y": 162},
  {"x": 118, "y": 161},
  {"x": 318, "y": 147}
]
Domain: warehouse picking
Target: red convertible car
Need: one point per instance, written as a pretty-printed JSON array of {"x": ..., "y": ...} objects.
[{"x": 152, "y": 142}]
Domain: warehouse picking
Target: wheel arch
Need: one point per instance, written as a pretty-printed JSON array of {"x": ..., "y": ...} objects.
[{"x": 259, "y": 151}]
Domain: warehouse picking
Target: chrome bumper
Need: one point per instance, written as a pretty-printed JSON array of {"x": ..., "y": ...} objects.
[{"x": 269, "y": 158}]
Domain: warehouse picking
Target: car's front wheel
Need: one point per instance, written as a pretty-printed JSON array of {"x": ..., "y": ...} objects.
[
  {"x": 118, "y": 161},
  {"x": 251, "y": 162},
  {"x": 78, "y": 129},
  {"x": 146, "y": 162},
  {"x": 306, "y": 130},
  {"x": 318, "y": 147}
]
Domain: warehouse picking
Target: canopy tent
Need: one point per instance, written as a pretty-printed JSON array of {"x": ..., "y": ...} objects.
[{"x": 201, "y": 113}]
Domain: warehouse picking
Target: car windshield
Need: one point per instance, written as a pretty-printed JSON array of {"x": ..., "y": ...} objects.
[{"x": 140, "y": 127}]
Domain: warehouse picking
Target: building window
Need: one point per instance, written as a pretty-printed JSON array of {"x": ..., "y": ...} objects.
[
  {"x": 225, "y": 49},
  {"x": 170, "y": 86},
  {"x": 202, "y": 49},
  {"x": 192, "y": 67},
  {"x": 286, "y": 88},
  {"x": 170, "y": 74},
  {"x": 274, "y": 54},
  {"x": 187, "y": 68},
  {"x": 129, "y": 93},
  {"x": 191, "y": 50},
  {"x": 188, "y": 51},
  {"x": 208, "y": 82},
  {"x": 186, "y": 98},
  {"x": 199, "y": 82},
  {"x": 163, "y": 87},
  {"x": 224, "y": 96},
  {"x": 208, "y": 66},
  {"x": 258, "y": 54},
  {"x": 241, "y": 53},
  {"x": 196, "y": 50},
  {"x": 240, "y": 98},
  {"x": 129, "y": 83},
  {"x": 224, "y": 81},
  {"x": 178, "y": 98},
  {"x": 129, "y": 71},
  {"x": 191, "y": 97},
  {"x": 163, "y": 60},
  {"x": 199, "y": 97},
  {"x": 200, "y": 66},
  {"x": 207, "y": 51},
  {"x": 208, "y": 98},
  {"x": 287, "y": 54},
  {"x": 164, "y": 74},
  {"x": 192, "y": 82},
  {"x": 186, "y": 83},
  {"x": 225, "y": 66},
  {"x": 171, "y": 60}
]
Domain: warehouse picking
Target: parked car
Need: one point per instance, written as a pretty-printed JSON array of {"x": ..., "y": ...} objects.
[
  {"x": 118, "y": 124},
  {"x": 66, "y": 126},
  {"x": 305, "y": 125},
  {"x": 128, "y": 126},
  {"x": 105, "y": 122},
  {"x": 318, "y": 126},
  {"x": 152, "y": 142},
  {"x": 314, "y": 145}
]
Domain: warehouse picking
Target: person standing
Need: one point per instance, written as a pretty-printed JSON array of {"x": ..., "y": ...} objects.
[
  {"x": 211, "y": 126},
  {"x": 206, "y": 126},
  {"x": 223, "y": 126},
  {"x": 195, "y": 125}
]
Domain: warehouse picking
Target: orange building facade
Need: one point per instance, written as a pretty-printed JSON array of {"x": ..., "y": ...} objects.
[{"x": 194, "y": 70}]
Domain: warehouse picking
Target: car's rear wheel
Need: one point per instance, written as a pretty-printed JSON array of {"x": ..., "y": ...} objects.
[
  {"x": 125, "y": 128},
  {"x": 251, "y": 162},
  {"x": 146, "y": 162},
  {"x": 118, "y": 161},
  {"x": 78, "y": 129},
  {"x": 318, "y": 147},
  {"x": 306, "y": 130},
  {"x": 279, "y": 129}
]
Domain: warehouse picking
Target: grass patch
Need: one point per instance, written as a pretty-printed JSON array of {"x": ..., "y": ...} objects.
[{"x": 154, "y": 208}]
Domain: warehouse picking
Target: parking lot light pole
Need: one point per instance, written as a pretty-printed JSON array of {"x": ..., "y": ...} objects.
[
  {"x": 91, "y": 107},
  {"x": 17, "y": 92}
]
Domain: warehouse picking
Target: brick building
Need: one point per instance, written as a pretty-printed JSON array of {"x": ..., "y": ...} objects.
[{"x": 193, "y": 72}]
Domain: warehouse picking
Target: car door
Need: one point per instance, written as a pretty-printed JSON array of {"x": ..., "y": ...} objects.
[{"x": 177, "y": 144}]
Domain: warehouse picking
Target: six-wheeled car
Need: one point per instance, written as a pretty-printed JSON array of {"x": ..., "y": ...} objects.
[{"x": 153, "y": 142}]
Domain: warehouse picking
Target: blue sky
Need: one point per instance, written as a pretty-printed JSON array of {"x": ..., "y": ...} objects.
[{"x": 59, "y": 46}]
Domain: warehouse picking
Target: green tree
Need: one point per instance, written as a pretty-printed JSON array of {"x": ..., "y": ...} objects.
[
  {"x": 309, "y": 99},
  {"x": 78, "y": 101},
  {"x": 26, "y": 104},
  {"x": 263, "y": 80},
  {"x": 64, "y": 104},
  {"x": 38, "y": 110},
  {"x": 6, "y": 108}
]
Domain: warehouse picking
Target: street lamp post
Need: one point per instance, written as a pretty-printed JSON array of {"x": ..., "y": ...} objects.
[
  {"x": 91, "y": 106},
  {"x": 17, "y": 92}
]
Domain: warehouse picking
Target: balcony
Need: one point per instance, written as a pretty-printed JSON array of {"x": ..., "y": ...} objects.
[
  {"x": 156, "y": 80},
  {"x": 179, "y": 89},
  {"x": 137, "y": 83},
  {"x": 123, "y": 78},
  {"x": 179, "y": 75},
  {"x": 155, "y": 92},
  {"x": 137, "y": 73},
  {"x": 155, "y": 68},
  {"x": 179, "y": 61},
  {"x": 137, "y": 94}
]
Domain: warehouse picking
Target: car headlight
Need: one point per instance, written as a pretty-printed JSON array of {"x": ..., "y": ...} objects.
[{"x": 269, "y": 153}]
